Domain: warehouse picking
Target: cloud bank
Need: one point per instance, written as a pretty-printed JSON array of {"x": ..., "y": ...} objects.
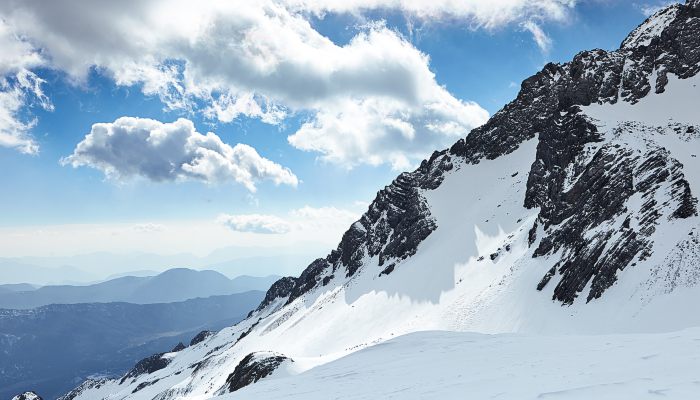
[
  {"x": 373, "y": 100},
  {"x": 305, "y": 219},
  {"x": 487, "y": 14},
  {"x": 139, "y": 147}
]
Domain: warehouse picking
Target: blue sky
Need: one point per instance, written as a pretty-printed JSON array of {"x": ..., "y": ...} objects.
[{"x": 471, "y": 60}]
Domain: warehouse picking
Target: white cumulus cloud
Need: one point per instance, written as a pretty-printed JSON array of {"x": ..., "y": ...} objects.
[
  {"x": 130, "y": 147},
  {"x": 257, "y": 59},
  {"x": 376, "y": 131}
]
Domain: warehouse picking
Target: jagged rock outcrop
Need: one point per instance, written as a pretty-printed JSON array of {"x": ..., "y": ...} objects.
[
  {"x": 397, "y": 221},
  {"x": 580, "y": 219},
  {"x": 595, "y": 76},
  {"x": 178, "y": 347},
  {"x": 281, "y": 289},
  {"x": 201, "y": 336},
  {"x": 27, "y": 396},
  {"x": 607, "y": 178},
  {"x": 148, "y": 365},
  {"x": 252, "y": 368}
]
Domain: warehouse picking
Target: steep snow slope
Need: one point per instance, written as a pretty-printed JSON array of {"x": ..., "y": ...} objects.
[
  {"x": 572, "y": 210},
  {"x": 450, "y": 365}
]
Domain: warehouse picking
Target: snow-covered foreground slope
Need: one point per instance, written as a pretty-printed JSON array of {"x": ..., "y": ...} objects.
[
  {"x": 572, "y": 211},
  {"x": 450, "y": 365}
]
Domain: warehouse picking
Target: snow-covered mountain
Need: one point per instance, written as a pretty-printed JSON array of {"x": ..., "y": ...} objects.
[{"x": 572, "y": 210}]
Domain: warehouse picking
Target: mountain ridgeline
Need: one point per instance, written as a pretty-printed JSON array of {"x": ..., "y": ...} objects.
[
  {"x": 548, "y": 105},
  {"x": 573, "y": 209},
  {"x": 137, "y": 290}
]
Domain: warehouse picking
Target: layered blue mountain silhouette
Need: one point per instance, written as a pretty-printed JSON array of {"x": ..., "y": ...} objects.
[
  {"x": 190, "y": 284},
  {"x": 53, "y": 348}
]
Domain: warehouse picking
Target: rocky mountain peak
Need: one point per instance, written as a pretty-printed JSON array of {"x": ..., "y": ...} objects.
[
  {"x": 663, "y": 25},
  {"x": 548, "y": 107},
  {"x": 652, "y": 28}
]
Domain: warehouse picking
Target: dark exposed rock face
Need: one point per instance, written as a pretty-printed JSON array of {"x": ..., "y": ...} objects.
[
  {"x": 577, "y": 184},
  {"x": 279, "y": 290},
  {"x": 608, "y": 178},
  {"x": 252, "y": 368},
  {"x": 310, "y": 277},
  {"x": 148, "y": 365},
  {"x": 247, "y": 332},
  {"x": 580, "y": 220},
  {"x": 397, "y": 221},
  {"x": 144, "y": 385},
  {"x": 179, "y": 347},
  {"x": 201, "y": 336},
  {"x": 612, "y": 174}
]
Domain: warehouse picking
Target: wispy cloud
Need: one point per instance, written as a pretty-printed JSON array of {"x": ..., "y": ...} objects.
[
  {"x": 255, "y": 223},
  {"x": 148, "y": 227},
  {"x": 487, "y": 14},
  {"x": 305, "y": 219},
  {"x": 543, "y": 41}
]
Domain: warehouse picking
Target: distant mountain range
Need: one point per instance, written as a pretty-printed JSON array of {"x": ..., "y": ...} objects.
[
  {"x": 189, "y": 284},
  {"x": 52, "y": 349},
  {"x": 17, "y": 287},
  {"x": 96, "y": 267}
]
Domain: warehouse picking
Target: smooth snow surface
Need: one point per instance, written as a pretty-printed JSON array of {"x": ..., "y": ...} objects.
[{"x": 450, "y": 365}]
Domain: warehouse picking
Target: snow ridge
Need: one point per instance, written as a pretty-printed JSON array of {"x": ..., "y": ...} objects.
[{"x": 651, "y": 28}]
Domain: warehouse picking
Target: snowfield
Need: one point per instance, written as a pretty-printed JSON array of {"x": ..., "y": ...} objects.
[{"x": 451, "y": 365}]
